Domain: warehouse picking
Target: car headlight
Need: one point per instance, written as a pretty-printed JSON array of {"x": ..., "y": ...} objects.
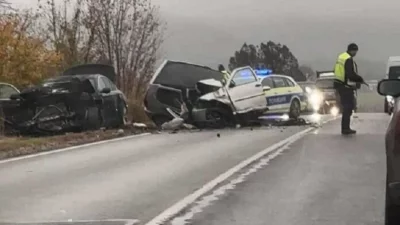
[
  {"x": 316, "y": 98},
  {"x": 334, "y": 111},
  {"x": 308, "y": 90}
]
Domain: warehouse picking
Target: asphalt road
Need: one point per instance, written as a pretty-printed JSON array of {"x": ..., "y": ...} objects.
[
  {"x": 130, "y": 179},
  {"x": 322, "y": 179}
]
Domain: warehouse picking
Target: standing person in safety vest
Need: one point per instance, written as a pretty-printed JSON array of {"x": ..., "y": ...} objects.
[
  {"x": 221, "y": 69},
  {"x": 346, "y": 83}
]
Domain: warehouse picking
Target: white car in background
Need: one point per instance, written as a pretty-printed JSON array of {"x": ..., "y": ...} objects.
[{"x": 284, "y": 95}]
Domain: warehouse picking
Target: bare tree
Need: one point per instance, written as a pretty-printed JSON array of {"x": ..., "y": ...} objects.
[
  {"x": 124, "y": 33},
  {"x": 4, "y": 3},
  {"x": 129, "y": 36},
  {"x": 5, "y": 6},
  {"x": 70, "y": 29}
]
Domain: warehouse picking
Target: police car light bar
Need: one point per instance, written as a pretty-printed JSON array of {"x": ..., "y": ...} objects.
[{"x": 263, "y": 72}]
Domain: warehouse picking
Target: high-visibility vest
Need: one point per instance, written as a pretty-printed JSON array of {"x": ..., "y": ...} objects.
[
  {"x": 226, "y": 75},
  {"x": 339, "y": 69}
]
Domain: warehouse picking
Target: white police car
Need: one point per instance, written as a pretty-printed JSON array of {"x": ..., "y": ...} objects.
[{"x": 284, "y": 95}]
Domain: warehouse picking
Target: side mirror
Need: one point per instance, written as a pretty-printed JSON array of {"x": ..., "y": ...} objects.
[
  {"x": 106, "y": 90},
  {"x": 231, "y": 85},
  {"x": 266, "y": 88},
  {"x": 14, "y": 97},
  {"x": 389, "y": 87}
]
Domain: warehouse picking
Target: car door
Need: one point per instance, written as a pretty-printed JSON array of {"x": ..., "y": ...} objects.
[
  {"x": 107, "y": 107},
  {"x": 270, "y": 94},
  {"x": 245, "y": 90},
  {"x": 114, "y": 96},
  {"x": 281, "y": 94},
  {"x": 295, "y": 91}
]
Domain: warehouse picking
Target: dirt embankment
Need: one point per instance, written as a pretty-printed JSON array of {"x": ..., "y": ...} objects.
[{"x": 18, "y": 146}]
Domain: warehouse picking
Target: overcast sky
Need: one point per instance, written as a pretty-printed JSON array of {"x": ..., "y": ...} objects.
[{"x": 209, "y": 31}]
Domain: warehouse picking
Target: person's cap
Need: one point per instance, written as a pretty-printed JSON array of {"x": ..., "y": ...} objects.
[{"x": 352, "y": 47}]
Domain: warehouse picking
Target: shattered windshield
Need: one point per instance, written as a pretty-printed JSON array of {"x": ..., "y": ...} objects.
[
  {"x": 56, "y": 82},
  {"x": 63, "y": 81}
]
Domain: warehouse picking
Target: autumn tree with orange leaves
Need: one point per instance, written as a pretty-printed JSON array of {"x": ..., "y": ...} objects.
[{"x": 24, "y": 56}]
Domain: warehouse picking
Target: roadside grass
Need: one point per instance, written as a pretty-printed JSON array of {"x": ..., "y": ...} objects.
[{"x": 18, "y": 146}]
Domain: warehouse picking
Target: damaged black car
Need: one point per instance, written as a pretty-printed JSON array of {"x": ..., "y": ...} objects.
[{"x": 83, "y": 97}]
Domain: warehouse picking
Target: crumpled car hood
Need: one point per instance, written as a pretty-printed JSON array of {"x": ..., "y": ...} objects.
[
  {"x": 211, "y": 82},
  {"x": 219, "y": 95}
]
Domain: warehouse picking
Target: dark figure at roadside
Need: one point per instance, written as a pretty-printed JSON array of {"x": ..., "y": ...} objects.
[{"x": 346, "y": 83}]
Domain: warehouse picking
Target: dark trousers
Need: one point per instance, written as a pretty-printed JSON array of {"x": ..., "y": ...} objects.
[{"x": 347, "y": 103}]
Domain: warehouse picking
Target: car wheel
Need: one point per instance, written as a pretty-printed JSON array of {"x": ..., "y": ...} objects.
[
  {"x": 295, "y": 109},
  {"x": 218, "y": 118}
]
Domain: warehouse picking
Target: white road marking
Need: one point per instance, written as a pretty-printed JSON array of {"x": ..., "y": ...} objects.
[
  {"x": 178, "y": 207},
  {"x": 214, "y": 196},
  {"x": 72, "y": 148},
  {"x": 125, "y": 221}
]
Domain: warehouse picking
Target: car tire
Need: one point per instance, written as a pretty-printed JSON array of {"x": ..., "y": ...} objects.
[
  {"x": 219, "y": 117},
  {"x": 295, "y": 109}
]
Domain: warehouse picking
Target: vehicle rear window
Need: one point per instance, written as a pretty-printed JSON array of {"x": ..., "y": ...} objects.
[
  {"x": 394, "y": 72},
  {"x": 279, "y": 82},
  {"x": 327, "y": 83},
  {"x": 289, "y": 82},
  {"x": 182, "y": 75}
]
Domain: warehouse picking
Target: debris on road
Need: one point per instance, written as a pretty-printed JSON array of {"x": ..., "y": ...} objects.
[{"x": 177, "y": 122}]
